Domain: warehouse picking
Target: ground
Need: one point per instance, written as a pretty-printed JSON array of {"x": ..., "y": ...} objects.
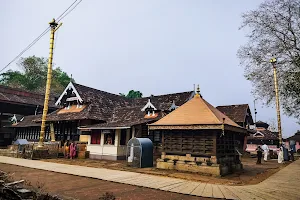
[
  {"x": 252, "y": 173},
  {"x": 75, "y": 187}
]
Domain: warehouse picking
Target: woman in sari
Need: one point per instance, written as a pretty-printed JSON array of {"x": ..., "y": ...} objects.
[
  {"x": 280, "y": 155},
  {"x": 72, "y": 150},
  {"x": 66, "y": 149}
]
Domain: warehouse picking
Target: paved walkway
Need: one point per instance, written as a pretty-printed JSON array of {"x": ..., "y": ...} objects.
[{"x": 282, "y": 185}]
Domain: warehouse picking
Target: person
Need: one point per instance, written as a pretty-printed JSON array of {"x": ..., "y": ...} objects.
[
  {"x": 259, "y": 155},
  {"x": 280, "y": 155},
  {"x": 67, "y": 149},
  {"x": 109, "y": 140},
  {"x": 291, "y": 152},
  {"x": 72, "y": 150},
  {"x": 266, "y": 152}
]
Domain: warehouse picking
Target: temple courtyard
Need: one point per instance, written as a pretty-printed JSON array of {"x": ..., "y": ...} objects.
[
  {"x": 279, "y": 185},
  {"x": 252, "y": 173}
]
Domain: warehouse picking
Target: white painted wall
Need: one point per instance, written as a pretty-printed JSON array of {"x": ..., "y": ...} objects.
[{"x": 109, "y": 150}]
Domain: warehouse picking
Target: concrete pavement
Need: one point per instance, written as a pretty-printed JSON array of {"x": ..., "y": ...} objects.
[{"x": 281, "y": 185}]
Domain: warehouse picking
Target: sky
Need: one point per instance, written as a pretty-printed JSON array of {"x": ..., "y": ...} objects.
[{"x": 156, "y": 47}]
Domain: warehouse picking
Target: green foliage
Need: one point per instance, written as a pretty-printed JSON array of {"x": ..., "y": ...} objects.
[
  {"x": 273, "y": 29},
  {"x": 33, "y": 75},
  {"x": 132, "y": 94}
]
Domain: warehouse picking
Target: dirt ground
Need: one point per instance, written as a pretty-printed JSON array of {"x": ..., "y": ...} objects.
[
  {"x": 251, "y": 174},
  {"x": 75, "y": 187}
]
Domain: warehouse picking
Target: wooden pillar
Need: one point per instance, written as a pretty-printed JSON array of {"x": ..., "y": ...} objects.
[
  {"x": 127, "y": 135},
  {"x": 117, "y": 137},
  {"x": 215, "y": 143},
  {"x": 52, "y": 134},
  {"x": 133, "y": 132}
]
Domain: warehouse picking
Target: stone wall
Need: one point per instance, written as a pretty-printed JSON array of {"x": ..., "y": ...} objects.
[{"x": 205, "y": 165}]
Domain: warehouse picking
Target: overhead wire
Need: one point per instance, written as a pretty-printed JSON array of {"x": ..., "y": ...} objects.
[{"x": 59, "y": 18}]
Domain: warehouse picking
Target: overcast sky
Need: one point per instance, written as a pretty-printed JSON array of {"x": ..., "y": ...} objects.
[{"x": 157, "y": 46}]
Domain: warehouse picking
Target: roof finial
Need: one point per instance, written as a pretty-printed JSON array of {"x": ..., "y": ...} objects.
[
  {"x": 197, "y": 93},
  {"x": 71, "y": 78},
  {"x": 198, "y": 89}
]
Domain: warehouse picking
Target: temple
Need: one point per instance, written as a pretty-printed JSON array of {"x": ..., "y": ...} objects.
[
  {"x": 198, "y": 137},
  {"x": 106, "y": 121},
  {"x": 103, "y": 120}
]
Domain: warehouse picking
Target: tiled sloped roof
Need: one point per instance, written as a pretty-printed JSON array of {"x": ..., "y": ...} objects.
[
  {"x": 8, "y": 94},
  {"x": 197, "y": 111},
  {"x": 164, "y": 102},
  {"x": 28, "y": 121},
  {"x": 235, "y": 112},
  {"x": 268, "y": 135},
  {"x": 126, "y": 117},
  {"x": 102, "y": 104},
  {"x": 295, "y": 137}
]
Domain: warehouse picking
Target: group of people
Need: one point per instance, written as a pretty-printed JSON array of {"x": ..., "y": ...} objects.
[
  {"x": 264, "y": 150},
  {"x": 70, "y": 149}
]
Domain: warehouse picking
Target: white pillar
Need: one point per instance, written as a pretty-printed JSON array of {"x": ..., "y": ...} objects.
[
  {"x": 117, "y": 137},
  {"x": 133, "y": 132},
  {"x": 102, "y": 139},
  {"x": 127, "y": 135},
  {"x": 89, "y": 139}
]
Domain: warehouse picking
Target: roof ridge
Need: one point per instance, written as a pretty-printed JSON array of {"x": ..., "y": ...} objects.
[
  {"x": 97, "y": 90},
  {"x": 165, "y": 94},
  {"x": 234, "y": 105}
]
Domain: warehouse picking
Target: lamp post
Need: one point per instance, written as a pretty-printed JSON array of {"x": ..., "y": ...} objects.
[{"x": 273, "y": 61}]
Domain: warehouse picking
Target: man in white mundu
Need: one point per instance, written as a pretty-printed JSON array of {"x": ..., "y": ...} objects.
[{"x": 266, "y": 151}]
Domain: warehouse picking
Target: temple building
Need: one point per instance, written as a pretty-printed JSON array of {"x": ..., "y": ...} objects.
[
  {"x": 198, "y": 137},
  {"x": 105, "y": 121},
  {"x": 262, "y": 135},
  {"x": 14, "y": 105}
]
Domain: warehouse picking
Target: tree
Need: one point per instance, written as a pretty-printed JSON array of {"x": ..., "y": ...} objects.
[
  {"x": 132, "y": 94},
  {"x": 273, "y": 30},
  {"x": 33, "y": 76}
]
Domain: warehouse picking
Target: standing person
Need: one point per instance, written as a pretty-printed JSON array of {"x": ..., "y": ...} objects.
[
  {"x": 72, "y": 150},
  {"x": 280, "y": 155},
  {"x": 259, "y": 155},
  {"x": 67, "y": 149},
  {"x": 291, "y": 151},
  {"x": 266, "y": 152}
]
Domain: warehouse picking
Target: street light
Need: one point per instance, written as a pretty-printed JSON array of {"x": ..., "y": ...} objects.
[{"x": 273, "y": 61}]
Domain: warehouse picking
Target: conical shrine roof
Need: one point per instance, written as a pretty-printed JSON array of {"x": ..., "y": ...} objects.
[{"x": 197, "y": 111}]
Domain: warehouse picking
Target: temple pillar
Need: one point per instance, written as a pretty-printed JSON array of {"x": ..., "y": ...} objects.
[
  {"x": 102, "y": 138},
  {"x": 133, "y": 132},
  {"x": 117, "y": 137},
  {"x": 127, "y": 135}
]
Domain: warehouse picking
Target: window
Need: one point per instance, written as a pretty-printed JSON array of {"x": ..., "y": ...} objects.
[
  {"x": 109, "y": 137},
  {"x": 95, "y": 138},
  {"x": 123, "y": 137}
]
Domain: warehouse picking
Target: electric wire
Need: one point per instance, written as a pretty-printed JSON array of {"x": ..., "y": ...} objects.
[{"x": 59, "y": 18}]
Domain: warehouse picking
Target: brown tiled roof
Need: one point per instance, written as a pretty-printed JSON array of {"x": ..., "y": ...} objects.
[
  {"x": 102, "y": 104},
  {"x": 126, "y": 117},
  {"x": 28, "y": 121},
  {"x": 164, "y": 102},
  {"x": 8, "y": 94},
  {"x": 235, "y": 112},
  {"x": 295, "y": 137},
  {"x": 197, "y": 111}
]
